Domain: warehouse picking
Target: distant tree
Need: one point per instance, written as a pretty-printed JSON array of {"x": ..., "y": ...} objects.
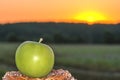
[
  {"x": 12, "y": 37},
  {"x": 117, "y": 40},
  {"x": 58, "y": 38},
  {"x": 109, "y": 37},
  {"x": 80, "y": 40}
]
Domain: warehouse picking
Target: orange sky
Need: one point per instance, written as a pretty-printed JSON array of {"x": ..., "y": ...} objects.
[{"x": 56, "y": 10}]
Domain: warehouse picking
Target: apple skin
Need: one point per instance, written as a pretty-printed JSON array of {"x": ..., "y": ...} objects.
[{"x": 34, "y": 59}]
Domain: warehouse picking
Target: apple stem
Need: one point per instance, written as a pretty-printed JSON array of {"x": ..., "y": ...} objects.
[{"x": 41, "y": 39}]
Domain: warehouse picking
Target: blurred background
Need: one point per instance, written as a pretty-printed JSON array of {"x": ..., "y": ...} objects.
[{"x": 85, "y": 35}]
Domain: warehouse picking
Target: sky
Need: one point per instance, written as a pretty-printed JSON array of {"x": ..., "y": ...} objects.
[{"x": 59, "y": 11}]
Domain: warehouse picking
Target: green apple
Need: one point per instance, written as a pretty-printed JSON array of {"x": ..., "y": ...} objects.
[{"x": 34, "y": 59}]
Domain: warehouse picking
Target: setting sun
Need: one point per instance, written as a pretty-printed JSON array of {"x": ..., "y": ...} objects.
[
  {"x": 90, "y": 17},
  {"x": 77, "y": 11}
]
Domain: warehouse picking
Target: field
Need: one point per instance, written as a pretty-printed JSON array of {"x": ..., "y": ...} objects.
[{"x": 85, "y": 62}]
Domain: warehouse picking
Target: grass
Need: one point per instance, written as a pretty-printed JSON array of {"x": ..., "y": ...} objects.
[
  {"x": 85, "y": 62},
  {"x": 89, "y": 55}
]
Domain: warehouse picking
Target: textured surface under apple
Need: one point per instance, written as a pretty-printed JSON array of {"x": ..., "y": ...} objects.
[{"x": 58, "y": 74}]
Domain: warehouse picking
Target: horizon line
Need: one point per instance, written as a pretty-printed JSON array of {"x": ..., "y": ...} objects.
[{"x": 82, "y": 22}]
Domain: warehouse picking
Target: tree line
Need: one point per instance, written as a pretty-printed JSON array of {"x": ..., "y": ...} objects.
[{"x": 61, "y": 32}]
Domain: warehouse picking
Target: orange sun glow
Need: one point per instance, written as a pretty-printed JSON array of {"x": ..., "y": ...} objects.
[{"x": 91, "y": 17}]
